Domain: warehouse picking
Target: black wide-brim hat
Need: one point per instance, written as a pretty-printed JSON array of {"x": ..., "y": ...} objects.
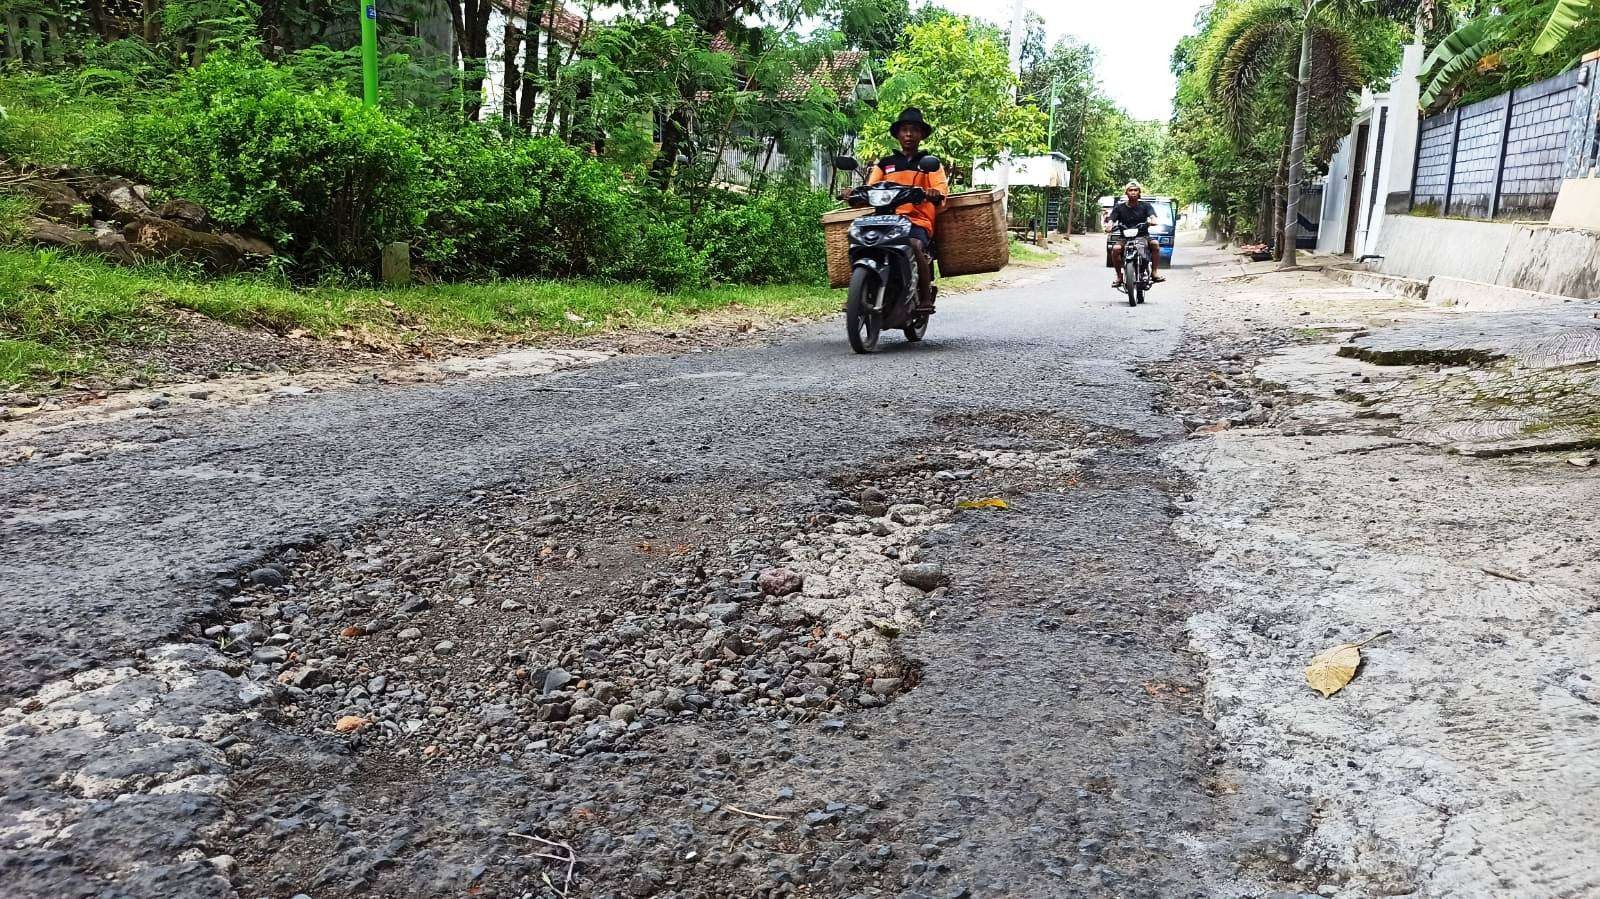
[{"x": 911, "y": 116}]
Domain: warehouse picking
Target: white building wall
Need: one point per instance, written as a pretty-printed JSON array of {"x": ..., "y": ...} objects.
[
  {"x": 494, "y": 80},
  {"x": 1393, "y": 170},
  {"x": 1370, "y": 202},
  {"x": 1386, "y": 165},
  {"x": 1336, "y": 197}
]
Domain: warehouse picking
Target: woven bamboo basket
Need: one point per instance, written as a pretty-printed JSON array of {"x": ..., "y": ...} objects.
[
  {"x": 971, "y": 233},
  {"x": 836, "y": 232}
]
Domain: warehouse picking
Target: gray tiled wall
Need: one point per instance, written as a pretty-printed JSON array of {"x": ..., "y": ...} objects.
[{"x": 1505, "y": 157}]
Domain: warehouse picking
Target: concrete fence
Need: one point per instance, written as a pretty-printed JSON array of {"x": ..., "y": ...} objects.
[{"x": 1506, "y": 157}]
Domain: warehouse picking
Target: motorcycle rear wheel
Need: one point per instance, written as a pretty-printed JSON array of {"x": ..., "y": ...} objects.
[
  {"x": 862, "y": 325},
  {"x": 916, "y": 328}
]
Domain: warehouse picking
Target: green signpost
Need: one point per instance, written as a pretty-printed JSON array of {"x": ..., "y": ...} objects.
[{"x": 369, "y": 52}]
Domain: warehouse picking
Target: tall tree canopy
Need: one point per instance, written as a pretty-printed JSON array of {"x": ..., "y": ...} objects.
[{"x": 962, "y": 82}]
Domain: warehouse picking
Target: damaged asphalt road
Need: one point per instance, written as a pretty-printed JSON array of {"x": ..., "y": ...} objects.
[
  {"x": 1049, "y": 670},
  {"x": 729, "y": 624}
]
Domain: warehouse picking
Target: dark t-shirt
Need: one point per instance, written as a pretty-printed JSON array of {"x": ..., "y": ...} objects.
[{"x": 1125, "y": 216}]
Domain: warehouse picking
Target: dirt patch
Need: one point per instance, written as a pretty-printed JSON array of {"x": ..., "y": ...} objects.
[{"x": 193, "y": 347}]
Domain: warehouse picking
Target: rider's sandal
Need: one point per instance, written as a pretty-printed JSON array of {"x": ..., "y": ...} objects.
[{"x": 1157, "y": 279}]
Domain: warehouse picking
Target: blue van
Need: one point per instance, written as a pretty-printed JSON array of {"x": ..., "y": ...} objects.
[{"x": 1166, "y": 228}]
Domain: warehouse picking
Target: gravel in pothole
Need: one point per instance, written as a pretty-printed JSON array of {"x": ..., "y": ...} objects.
[
  {"x": 597, "y": 665},
  {"x": 571, "y": 625}
]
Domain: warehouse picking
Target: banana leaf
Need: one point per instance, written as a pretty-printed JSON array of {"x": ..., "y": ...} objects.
[
  {"x": 1456, "y": 57},
  {"x": 1566, "y": 15}
]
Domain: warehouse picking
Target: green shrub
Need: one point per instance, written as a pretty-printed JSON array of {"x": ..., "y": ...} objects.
[
  {"x": 321, "y": 176},
  {"x": 658, "y": 254},
  {"x": 772, "y": 238},
  {"x": 517, "y": 206}
]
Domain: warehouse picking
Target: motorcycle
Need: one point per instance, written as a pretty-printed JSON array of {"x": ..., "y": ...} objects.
[
  {"x": 1136, "y": 273},
  {"x": 883, "y": 262}
]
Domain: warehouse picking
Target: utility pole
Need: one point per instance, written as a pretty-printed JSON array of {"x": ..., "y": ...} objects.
[
  {"x": 1050, "y": 132},
  {"x": 369, "y": 52},
  {"x": 1077, "y": 159},
  {"x": 1017, "y": 18}
]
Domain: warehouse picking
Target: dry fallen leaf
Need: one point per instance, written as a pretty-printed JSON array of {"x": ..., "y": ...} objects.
[
  {"x": 350, "y": 723},
  {"x": 987, "y": 503},
  {"x": 1333, "y": 668}
]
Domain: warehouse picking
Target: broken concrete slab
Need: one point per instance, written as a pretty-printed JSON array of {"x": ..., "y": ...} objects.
[
  {"x": 1464, "y": 294},
  {"x": 1543, "y": 337},
  {"x": 1411, "y": 288}
]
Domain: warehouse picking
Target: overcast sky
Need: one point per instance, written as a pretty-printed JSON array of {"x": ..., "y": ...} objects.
[{"x": 1135, "y": 41}]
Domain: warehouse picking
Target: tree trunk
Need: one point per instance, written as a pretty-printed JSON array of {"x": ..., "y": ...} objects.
[
  {"x": 97, "y": 19},
  {"x": 470, "y": 20},
  {"x": 552, "y": 68},
  {"x": 1280, "y": 185},
  {"x": 674, "y": 137},
  {"x": 1072, "y": 198},
  {"x": 1266, "y": 216},
  {"x": 152, "y": 21},
  {"x": 513, "y": 71},
  {"x": 1297, "y": 147},
  {"x": 761, "y": 173},
  {"x": 530, "y": 80}
]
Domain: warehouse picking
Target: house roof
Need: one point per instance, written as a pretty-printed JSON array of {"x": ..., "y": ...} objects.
[
  {"x": 568, "y": 23},
  {"x": 838, "y": 73}
]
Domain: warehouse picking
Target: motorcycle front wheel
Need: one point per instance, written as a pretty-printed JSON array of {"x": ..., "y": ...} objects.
[
  {"x": 862, "y": 325},
  {"x": 1130, "y": 281}
]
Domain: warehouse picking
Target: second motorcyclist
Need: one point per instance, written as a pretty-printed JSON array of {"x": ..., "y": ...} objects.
[{"x": 1131, "y": 213}]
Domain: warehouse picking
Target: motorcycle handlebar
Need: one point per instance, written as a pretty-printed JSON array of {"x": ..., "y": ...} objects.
[{"x": 913, "y": 194}]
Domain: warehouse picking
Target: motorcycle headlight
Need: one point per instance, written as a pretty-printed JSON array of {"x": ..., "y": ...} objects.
[
  {"x": 882, "y": 196},
  {"x": 1130, "y": 232}
]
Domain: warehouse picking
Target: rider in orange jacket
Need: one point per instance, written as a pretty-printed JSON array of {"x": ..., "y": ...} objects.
[{"x": 910, "y": 130}]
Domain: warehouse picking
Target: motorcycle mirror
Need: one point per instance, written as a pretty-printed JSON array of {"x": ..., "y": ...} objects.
[
  {"x": 929, "y": 164},
  {"x": 846, "y": 163}
]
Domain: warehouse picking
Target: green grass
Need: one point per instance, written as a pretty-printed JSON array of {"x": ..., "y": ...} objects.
[
  {"x": 1028, "y": 253},
  {"x": 56, "y": 309},
  {"x": 24, "y": 361},
  {"x": 49, "y": 120}
]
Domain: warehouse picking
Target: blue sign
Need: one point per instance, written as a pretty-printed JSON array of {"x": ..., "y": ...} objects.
[{"x": 372, "y": 12}]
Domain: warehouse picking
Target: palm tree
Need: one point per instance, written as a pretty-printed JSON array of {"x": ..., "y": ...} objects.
[{"x": 1253, "y": 43}]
